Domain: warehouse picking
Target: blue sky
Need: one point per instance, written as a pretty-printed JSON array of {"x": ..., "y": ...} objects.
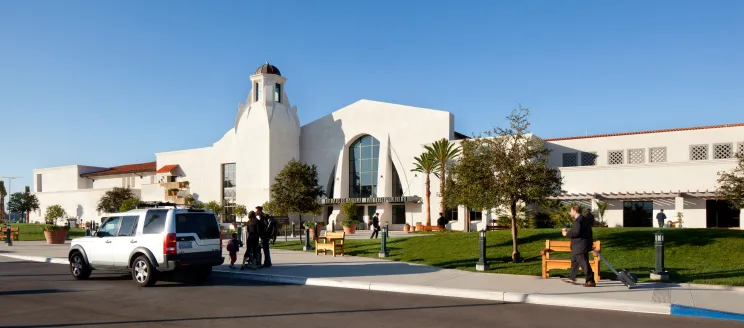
[{"x": 112, "y": 82}]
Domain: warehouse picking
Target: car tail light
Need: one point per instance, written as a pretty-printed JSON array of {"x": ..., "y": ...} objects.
[{"x": 169, "y": 244}]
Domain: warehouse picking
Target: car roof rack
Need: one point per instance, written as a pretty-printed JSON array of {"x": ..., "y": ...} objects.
[{"x": 157, "y": 205}]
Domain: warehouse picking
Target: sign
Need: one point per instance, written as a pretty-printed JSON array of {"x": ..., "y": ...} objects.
[
  {"x": 281, "y": 219},
  {"x": 371, "y": 200}
]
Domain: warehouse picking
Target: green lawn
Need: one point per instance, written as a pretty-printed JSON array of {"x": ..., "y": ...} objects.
[
  {"x": 691, "y": 255},
  {"x": 32, "y": 231}
]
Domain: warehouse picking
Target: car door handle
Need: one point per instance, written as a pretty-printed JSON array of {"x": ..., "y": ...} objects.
[
  {"x": 108, "y": 242},
  {"x": 133, "y": 241}
]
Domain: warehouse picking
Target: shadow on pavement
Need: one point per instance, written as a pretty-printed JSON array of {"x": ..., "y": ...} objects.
[
  {"x": 252, "y": 316},
  {"x": 34, "y": 292}
]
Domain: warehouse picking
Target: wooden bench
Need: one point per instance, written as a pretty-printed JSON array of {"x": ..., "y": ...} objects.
[
  {"x": 497, "y": 227},
  {"x": 13, "y": 233},
  {"x": 554, "y": 246},
  {"x": 431, "y": 228},
  {"x": 332, "y": 241}
]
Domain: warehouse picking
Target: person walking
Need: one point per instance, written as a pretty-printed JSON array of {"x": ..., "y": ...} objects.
[
  {"x": 253, "y": 229},
  {"x": 442, "y": 222},
  {"x": 233, "y": 247},
  {"x": 660, "y": 218},
  {"x": 265, "y": 235},
  {"x": 582, "y": 242},
  {"x": 375, "y": 226}
]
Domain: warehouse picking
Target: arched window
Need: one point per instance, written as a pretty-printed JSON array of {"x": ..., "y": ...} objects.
[{"x": 363, "y": 163}]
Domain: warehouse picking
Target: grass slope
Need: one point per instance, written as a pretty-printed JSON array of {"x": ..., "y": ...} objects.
[
  {"x": 33, "y": 232},
  {"x": 691, "y": 255}
]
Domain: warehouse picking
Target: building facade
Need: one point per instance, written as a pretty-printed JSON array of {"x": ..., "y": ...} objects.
[{"x": 365, "y": 153}]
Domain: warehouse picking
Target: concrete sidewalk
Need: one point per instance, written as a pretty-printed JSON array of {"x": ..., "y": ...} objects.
[{"x": 374, "y": 274}]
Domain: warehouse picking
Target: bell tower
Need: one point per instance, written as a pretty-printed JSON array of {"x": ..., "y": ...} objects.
[{"x": 267, "y": 136}]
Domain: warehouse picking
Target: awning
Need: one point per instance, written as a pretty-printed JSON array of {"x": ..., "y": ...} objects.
[
  {"x": 167, "y": 169},
  {"x": 371, "y": 200},
  {"x": 636, "y": 195}
]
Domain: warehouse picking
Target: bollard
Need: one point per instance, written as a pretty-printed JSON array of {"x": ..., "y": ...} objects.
[
  {"x": 383, "y": 244},
  {"x": 482, "y": 264},
  {"x": 285, "y": 232},
  {"x": 307, "y": 246},
  {"x": 387, "y": 231},
  {"x": 8, "y": 238},
  {"x": 333, "y": 226},
  {"x": 293, "y": 230},
  {"x": 659, "y": 273}
]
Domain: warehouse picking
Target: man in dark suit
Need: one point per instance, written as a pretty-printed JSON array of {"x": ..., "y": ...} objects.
[{"x": 581, "y": 245}]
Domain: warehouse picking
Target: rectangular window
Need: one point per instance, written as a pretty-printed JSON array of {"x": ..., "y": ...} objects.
[
  {"x": 570, "y": 159},
  {"x": 741, "y": 149},
  {"x": 451, "y": 214},
  {"x": 38, "y": 183},
  {"x": 109, "y": 228},
  {"x": 257, "y": 91},
  {"x": 615, "y": 157},
  {"x": 638, "y": 214},
  {"x": 588, "y": 158},
  {"x": 399, "y": 214},
  {"x": 204, "y": 225},
  {"x": 698, "y": 152},
  {"x": 657, "y": 155},
  {"x": 723, "y": 151},
  {"x": 278, "y": 93},
  {"x": 475, "y": 215},
  {"x": 154, "y": 222},
  {"x": 128, "y": 226},
  {"x": 636, "y": 156},
  {"x": 228, "y": 175}
]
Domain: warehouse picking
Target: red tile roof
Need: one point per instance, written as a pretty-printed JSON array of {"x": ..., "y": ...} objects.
[
  {"x": 648, "y": 132},
  {"x": 124, "y": 169},
  {"x": 167, "y": 169}
]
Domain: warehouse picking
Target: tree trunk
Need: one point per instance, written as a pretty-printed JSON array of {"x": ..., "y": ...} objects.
[
  {"x": 28, "y": 216},
  {"x": 442, "y": 173},
  {"x": 428, "y": 200},
  {"x": 515, "y": 247}
]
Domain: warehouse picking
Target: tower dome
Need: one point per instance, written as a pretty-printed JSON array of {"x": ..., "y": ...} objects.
[{"x": 268, "y": 69}]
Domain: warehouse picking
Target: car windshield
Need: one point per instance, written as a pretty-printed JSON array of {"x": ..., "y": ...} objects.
[{"x": 204, "y": 225}]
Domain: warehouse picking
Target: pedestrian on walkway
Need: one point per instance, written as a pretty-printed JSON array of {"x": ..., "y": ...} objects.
[
  {"x": 375, "y": 226},
  {"x": 266, "y": 228},
  {"x": 233, "y": 247},
  {"x": 442, "y": 222},
  {"x": 582, "y": 241},
  {"x": 254, "y": 230},
  {"x": 660, "y": 218}
]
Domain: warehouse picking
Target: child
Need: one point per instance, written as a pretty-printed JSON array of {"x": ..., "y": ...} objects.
[{"x": 233, "y": 246}]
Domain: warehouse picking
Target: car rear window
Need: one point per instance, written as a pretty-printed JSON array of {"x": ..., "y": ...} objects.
[{"x": 204, "y": 225}]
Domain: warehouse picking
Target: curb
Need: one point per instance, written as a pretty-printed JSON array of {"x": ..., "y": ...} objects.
[{"x": 508, "y": 297}]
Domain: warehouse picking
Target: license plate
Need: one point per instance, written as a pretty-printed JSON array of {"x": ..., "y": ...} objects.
[{"x": 184, "y": 244}]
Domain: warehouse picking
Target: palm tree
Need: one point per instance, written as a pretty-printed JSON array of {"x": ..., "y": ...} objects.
[
  {"x": 3, "y": 193},
  {"x": 426, "y": 164},
  {"x": 443, "y": 151}
]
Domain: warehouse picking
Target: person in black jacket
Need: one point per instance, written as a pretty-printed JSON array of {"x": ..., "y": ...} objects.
[
  {"x": 375, "y": 226},
  {"x": 581, "y": 245},
  {"x": 255, "y": 231}
]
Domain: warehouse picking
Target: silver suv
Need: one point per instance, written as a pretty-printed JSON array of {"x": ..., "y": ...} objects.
[{"x": 149, "y": 242}]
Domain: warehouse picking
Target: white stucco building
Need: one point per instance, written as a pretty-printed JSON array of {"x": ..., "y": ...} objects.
[{"x": 365, "y": 151}]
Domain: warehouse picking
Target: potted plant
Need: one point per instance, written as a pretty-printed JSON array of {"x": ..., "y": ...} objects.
[
  {"x": 54, "y": 233},
  {"x": 185, "y": 184},
  {"x": 407, "y": 227},
  {"x": 349, "y": 226},
  {"x": 310, "y": 225},
  {"x": 349, "y": 210},
  {"x": 419, "y": 226},
  {"x": 679, "y": 219}
]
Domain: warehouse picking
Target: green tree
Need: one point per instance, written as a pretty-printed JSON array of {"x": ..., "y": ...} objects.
[
  {"x": 3, "y": 194},
  {"x": 443, "y": 151},
  {"x": 601, "y": 209},
  {"x": 426, "y": 164},
  {"x": 24, "y": 202},
  {"x": 731, "y": 184},
  {"x": 296, "y": 189},
  {"x": 111, "y": 201},
  {"x": 240, "y": 212},
  {"x": 129, "y": 204},
  {"x": 349, "y": 210},
  {"x": 54, "y": 213},
  {"x": 270, "y": 209},
  {"x": 214, "y": 207},
  {"x": 471, "y": 180}
]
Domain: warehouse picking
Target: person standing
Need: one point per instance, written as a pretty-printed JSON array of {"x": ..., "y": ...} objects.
[
  {"x": 660, "y": 218},
  {"x": 375, "y": 226},
  {"x": 442, "y": 222},
  {"x": 233, "y": 247},
  {"x": 253, "y": 229},
  {"x": 582, "y": 242},
  {"x": 265, "y": 235}
]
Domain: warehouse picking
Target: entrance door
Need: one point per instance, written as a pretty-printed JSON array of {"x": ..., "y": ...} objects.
[
  {"x": 638, "y": 214},
  {"x": 360, "y": 217},
  {"x": 720, "y": 215}
]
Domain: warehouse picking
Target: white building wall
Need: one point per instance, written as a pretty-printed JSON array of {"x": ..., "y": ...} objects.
[
  {"x": 80, "y": 204},
  {"x": 402, "y": 132}
]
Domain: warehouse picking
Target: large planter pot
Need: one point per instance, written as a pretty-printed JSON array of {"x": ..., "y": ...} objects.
[
  {"x": 419, "y": 226},
  {"x": 55, "y": 237},
  {"x": 351, "y": 229},
  {"x": 406, "y": 228}
]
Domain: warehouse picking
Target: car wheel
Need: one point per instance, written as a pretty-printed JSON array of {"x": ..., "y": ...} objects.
[
  {"x": 143, "y": 273},
  {"x": 78, "y": 267}
]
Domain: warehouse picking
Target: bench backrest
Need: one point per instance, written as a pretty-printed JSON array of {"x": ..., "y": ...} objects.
[
  {"x": 565, "y": 246},
  {"x": 12, "y": 229},
  {"x": 339, "y": 234}
]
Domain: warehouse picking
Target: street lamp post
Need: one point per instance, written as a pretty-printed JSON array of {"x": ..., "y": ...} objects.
[
  {"x": 383, "y": 246},
  {"x": 482, "y": 264}
]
